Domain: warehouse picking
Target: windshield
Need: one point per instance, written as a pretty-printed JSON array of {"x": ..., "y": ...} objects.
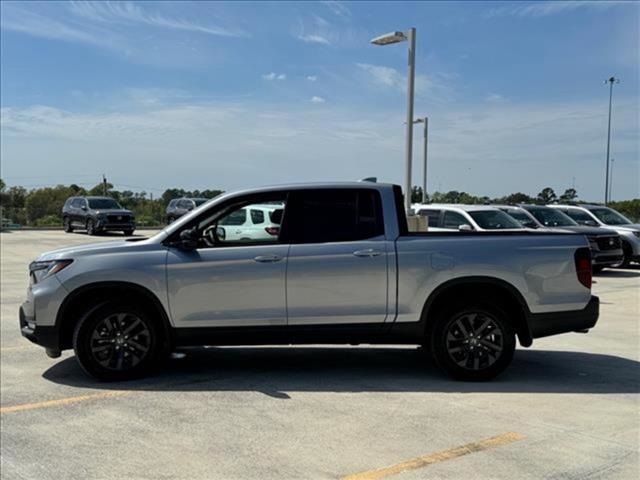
[
  {"x": 524, "y": 219},
  {"x": 609, "y": 216},
  {"x": 200, "y": 201},
  {"x": 551, "y": 218},
  {"x": 104, "y": 204},
  {"x": 494, "y": 220}
]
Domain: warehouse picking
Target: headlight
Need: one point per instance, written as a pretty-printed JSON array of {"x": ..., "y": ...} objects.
[
  {"x": 42, "y": 270},
  {"x": 637, "y": 234}
]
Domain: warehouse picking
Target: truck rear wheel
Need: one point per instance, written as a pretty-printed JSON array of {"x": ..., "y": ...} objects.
[
  {"x": 117, "y": 342},
  {"x": 473, "y": 343}
]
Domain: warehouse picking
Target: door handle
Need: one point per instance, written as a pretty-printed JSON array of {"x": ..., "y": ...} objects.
[
  {"x": 369, "y": 252},
  {"x": 267, "y": 258}
]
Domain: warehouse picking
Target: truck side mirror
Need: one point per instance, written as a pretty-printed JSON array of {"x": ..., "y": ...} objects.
[
  {"x": 189, "y": 239},
  {"x": 465, "y": 228}
]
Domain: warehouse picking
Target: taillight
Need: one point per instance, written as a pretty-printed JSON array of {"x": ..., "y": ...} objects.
[
  {"x": 583, "y": 266},
  {"x": 275, "y": 231}
]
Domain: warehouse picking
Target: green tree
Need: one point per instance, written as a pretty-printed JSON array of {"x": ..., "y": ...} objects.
[
  {"x": 569, "y": 195},
  {"x": 547, "y": 195},
  {"x": 514, "y": 198},
  {"x": 416, "y": 194}
]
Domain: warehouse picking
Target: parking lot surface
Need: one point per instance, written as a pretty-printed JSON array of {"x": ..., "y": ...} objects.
[{"x": 568, "y": 407}]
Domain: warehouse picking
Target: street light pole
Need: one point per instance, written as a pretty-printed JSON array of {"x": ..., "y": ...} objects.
[
  {"x": 610, "y": 81},
  {"x": 424, "y": 170},
  {"x": 611, "y": 180},
  {"x": 410, "y": 37},
  {"x": 424, "y": 120}
]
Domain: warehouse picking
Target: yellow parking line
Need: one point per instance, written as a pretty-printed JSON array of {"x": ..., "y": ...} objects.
[
  {"x": 60, "y": 402},
  {"x": 425, "y": 460}
]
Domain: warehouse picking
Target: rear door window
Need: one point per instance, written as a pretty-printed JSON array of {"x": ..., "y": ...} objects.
[
  {"x": 433, "y": 216},
  {"x": 336, "y": 215},
  {"x": 454, "y": 219},
  {"x": 257, "y": 216}
]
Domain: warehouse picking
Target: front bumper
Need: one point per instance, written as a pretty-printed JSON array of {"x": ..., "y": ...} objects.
[
  {"x": 608, "y": 259},
  {"x": 45, "y": 336},
  {"x": 107, "y": 225},
  {"x": 546, "y": 324}
]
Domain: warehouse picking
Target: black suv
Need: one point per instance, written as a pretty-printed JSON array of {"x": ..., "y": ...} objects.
[
  {"x": 95, "y": 215},
  {"x": 179, "y": 206}
]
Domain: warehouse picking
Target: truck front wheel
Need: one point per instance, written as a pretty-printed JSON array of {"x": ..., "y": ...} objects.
[
  {"x": 117, "y": 342},
  {"x": 473, "y": 343}
]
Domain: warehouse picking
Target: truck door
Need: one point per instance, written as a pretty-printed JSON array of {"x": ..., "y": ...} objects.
[
  {"x": 337, "y": 264},
  {"x": 229, "y": 281}
]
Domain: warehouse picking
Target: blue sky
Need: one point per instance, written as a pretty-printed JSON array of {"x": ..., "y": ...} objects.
[{"x": 230, "y": 95}]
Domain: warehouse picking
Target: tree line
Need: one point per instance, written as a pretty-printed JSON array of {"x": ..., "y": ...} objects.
[{"x": 43, "y": 206}]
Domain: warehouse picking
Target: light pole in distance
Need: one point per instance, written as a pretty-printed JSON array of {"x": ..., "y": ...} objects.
[
  {"x": 610, "y": 81},
  {"x": 424, "y": 120}
]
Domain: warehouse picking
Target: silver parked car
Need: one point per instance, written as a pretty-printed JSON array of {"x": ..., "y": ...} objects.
[
  {"x": 605, "y": 244},
  {"x": 600, "y": 216}
]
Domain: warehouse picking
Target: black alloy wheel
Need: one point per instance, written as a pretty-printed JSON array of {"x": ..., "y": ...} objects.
[
  {"x": 116, "y": 341},
  {"x": 475, "y": 343},
  {"x": 66, "y": 224},
  {"x": 91, "y": 227}
]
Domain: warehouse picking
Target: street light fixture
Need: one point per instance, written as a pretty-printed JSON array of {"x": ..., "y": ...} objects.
[
  {"x": 410, "y": 37},
  {"x": 610, "y": 81},
  {"x": 424, "y": 120}
]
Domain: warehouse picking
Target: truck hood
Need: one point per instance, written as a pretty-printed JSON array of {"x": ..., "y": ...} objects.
[
  {"x": 590, "y": 230},
  {"x": 99, "y": 248},
  {"x": 632, "y": 227}
]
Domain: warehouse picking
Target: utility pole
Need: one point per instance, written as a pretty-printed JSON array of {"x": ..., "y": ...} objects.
[
  {"x": 610, "y": 81},
  {"x": 104, "y": 185}
]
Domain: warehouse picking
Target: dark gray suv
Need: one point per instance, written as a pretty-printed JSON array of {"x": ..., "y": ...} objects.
[
  {"x": 95, "y": 215},
  {"x": 179, "y": 206}
]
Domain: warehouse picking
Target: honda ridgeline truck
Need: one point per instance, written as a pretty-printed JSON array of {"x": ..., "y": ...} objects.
[{"x": 342, "y": 268}]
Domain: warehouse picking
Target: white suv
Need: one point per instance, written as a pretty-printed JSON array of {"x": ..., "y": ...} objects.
[
  {"x": 256, "y": 222},
  {"x": 448, "y": 217}
]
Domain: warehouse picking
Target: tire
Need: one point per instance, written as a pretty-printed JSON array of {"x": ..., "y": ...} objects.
[
  {"x": 116, "y": 341},
  {"x": 91, "y": 227},
  {"x": 473, "y": 343},
  {"x": 66, "y": 224},
  {"x": 626, "y": 258},
  {"x": 127, "y": 233}
]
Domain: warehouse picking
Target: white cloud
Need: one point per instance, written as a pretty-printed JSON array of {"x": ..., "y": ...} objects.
[
  {"x": 338, "y": 8},
  {"x": 31, "y": 23},
  {"x": 435, "y": 86},
  {"x": 130, "y": 13},
  {"x": 274, "y": 76},
  {"x": 531, "y": 145},
  {"x": 314, "y": 39},
  {"x": 312, "y": 78},
  {"x": 494, "y": 98},
  {"x": 543, "y": 9},
  {"x": 316, "y": 99}
]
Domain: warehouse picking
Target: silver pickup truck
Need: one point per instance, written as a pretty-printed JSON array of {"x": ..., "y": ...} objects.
[{"x": 335, "y": 265}]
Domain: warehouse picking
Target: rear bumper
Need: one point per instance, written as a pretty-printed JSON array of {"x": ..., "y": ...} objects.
[
  {"x": 546, "y": 324},
  {"x": 45, "y": 336}
]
